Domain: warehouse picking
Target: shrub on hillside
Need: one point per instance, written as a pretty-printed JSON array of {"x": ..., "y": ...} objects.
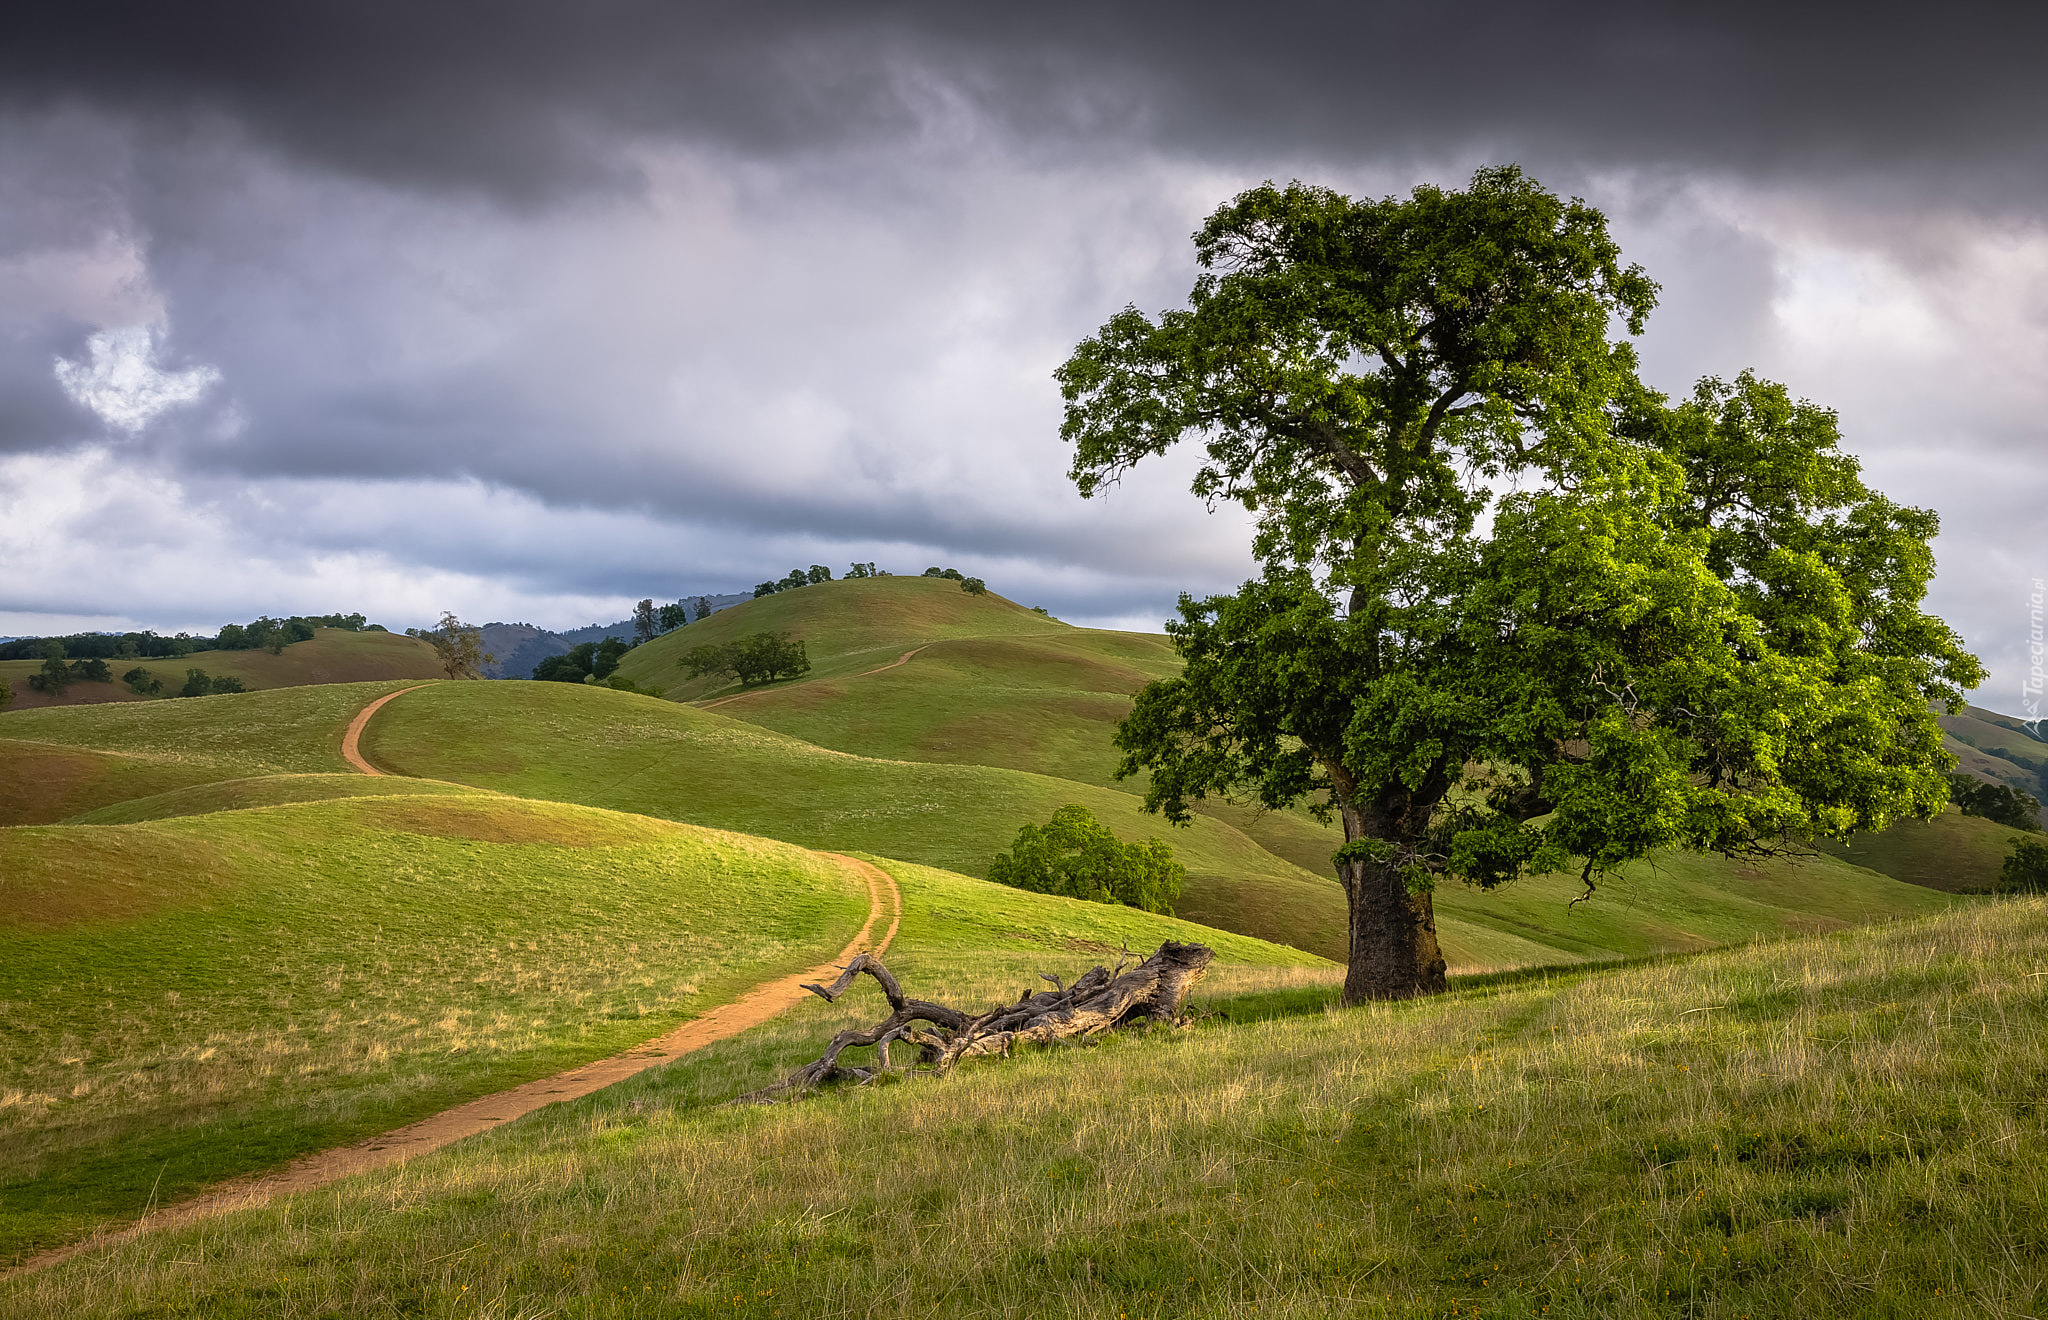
[
  {"x": 1076, "y": 855},
  {"x": 143, "y": 683},
  {"x": 199, "y": 684},
  {"x": 2026, "y": 869}
]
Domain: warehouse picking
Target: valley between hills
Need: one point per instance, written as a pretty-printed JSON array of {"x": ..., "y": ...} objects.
[{"x": 1750, "y": 1087}]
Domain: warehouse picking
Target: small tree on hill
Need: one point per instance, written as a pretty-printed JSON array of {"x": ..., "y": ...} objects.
[
  {"x": 818, "y": 573},
  {"x": 866, "y": 570},
  {"x": 754, "y": 659},
  {"x": 673, "y": 616},
  {"x": 459, "y": 647},
  {"x": 1076, "y": 855},
  {"x": 55, "y": 675},
  {"x": 199, "y": 684},
  {"x": 765, "y": 657},
  {"x": 143, "y": 683},
  {"x": 703, "y": 608},
  {"x": 646, "y": 623},
  {"x": 974, "y": 586},
  {"x": 714, "y": 658}
]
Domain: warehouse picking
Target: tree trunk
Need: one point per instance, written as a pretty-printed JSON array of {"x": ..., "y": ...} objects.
[{"x": 1393, "y": 948}]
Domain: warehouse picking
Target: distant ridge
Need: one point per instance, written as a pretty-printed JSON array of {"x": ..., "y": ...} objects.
[{"x": 520, "y": 646}]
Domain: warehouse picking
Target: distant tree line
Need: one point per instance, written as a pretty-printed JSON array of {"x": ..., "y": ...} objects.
[
  {"x": 262, "y": 634},
  {"x": 798, "y": 577},
  {"x": 651, "y": 621},
  {"x": 59, "y": 673},
  {"x": 973, "y": 586},
  {"x": 590, "y": 660}
]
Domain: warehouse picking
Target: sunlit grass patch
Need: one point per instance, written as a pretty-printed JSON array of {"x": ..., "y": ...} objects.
[
  {"x": 1837, "y": 1126},
  {"x": 192, "y": 998}
]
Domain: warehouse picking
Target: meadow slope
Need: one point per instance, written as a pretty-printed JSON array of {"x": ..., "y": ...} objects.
[
  {"x": 191, "y": 998},
  {"x": 1836, "y": 1126}
]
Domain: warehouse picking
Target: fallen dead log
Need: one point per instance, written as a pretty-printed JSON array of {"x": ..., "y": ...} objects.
[{"x": 1099, "y": 1000}]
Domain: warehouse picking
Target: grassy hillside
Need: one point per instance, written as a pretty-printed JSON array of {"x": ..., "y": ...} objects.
[
  {"x": 180, "y": 1003},
  {"x": 59, "y": 762},
  {"x": 1953, "y": 852},
  {"x": 1839, "y": 1126},
  {"x": 332, "y": 655},
  {"x": 572, "y": 743},
  {"x": 188, "y": 999},
  {"x": 845, "y": 626},
  {"x": 1047, "y": 704},
  {"x": 41, "y": 782},
  {"x": 1993, "y": 747},
  {"x": 285, "y": 731},
  {"x": 264, "y": 791}
]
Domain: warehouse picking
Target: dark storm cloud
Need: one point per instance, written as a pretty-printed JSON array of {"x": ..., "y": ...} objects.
[{"x": 525, "y": 98}]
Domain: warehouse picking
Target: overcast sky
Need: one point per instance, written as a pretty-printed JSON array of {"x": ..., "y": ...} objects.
[{"x": 528, "y": 311}]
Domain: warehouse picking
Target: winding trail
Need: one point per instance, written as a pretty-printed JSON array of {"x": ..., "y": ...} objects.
[
  {"x": 758, "y": 691},
  {"x": 352, "y": 741},
  {"x": 727, "y": 1020}
]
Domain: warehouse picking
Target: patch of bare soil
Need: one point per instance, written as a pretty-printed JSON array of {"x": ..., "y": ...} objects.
[{"x": 352, "y": 741}]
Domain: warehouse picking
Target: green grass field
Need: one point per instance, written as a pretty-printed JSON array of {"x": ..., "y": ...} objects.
[
  {"x": 1953, "y": 852},
  {"x": 1835, "y": 1126},
  {"x": 191, "y": 998},
  {"x": 570, "y": 742},
  {"x": 58, "y": 762},
  {"x": 331, "y": 655}
]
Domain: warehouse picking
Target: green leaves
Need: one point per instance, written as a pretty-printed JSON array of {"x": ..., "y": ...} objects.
[
  {"x": 1517, "y": 610},
  {"x": 1077, "y": 856}
]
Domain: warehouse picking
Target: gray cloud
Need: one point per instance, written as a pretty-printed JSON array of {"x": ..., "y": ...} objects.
[{"x": 531, "y": 309}]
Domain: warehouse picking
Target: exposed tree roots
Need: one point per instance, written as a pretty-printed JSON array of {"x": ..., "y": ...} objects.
[{"x": 1100, "y": 1000}]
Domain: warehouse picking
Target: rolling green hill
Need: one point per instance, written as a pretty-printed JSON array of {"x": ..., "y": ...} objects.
[
  {"x": 59, "y": 761},
  {"x": 846, "y": 626},
  {"x": 574, "y": 743},
  {"x": 1993, "y": 747},
  {"x": 198, "y": 986},
  {"x": 332, "y": 655},
  {"x": 192, "y": 998}
]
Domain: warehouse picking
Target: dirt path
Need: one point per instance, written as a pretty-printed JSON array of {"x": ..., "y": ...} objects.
[
  {"x": 757, "y": 691},
  {"x": 751, "y": 1009},
  {"x": 352, "y": 741}
]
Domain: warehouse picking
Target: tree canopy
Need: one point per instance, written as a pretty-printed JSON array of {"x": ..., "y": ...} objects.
[
  {"x": 458, "y": 646},
  {"x": 754, "y": 659},
  {"x": 1078, "y": 856},
  {"x": 1517, "y": 611}
]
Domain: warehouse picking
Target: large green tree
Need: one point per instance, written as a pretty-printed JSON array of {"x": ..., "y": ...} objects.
[{"x": 1517, "y": 611}]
